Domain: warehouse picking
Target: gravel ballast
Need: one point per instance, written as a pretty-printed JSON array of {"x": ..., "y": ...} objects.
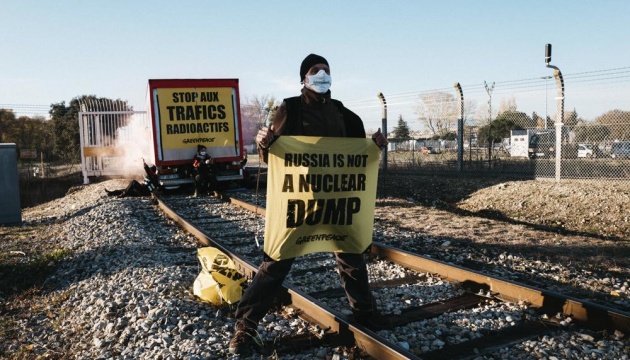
[{"x": 124, "y": 287}]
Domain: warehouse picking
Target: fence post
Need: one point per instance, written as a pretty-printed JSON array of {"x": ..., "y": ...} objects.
[
  {"x": 381, "y": 97},
  {"x": 460, "y": 129},
  {"x": 83, "y": 131},
  {"x": 560, "y": 112}
]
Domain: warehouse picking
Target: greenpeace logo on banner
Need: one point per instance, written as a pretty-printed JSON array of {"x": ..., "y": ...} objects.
[
  {"x": 321, "y": 237},
  {"x": 321, "y": 194}
]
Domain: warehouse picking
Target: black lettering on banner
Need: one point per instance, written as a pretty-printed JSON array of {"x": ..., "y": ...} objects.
[
  {"x": 196, "y": 112},
  {"x": 322, "y": 211},
  {"x": 184, "y": 97},
  {"x": 287, "y": 185},
  {"x": 316, "y": 183},
  {"x": 320, "y": 237},
  {"x": 357, "y": 160},
  {"x": 338, "y": 160},
  {"x": 306, "y": 160},
  {"x": 209, "y": 96},
  {"x": 197, "y": 128},
  {"x": 201, "y": 140}
]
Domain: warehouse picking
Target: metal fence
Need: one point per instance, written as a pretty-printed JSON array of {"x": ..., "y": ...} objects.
[
  {"x": 593, "y": 138},
  {"x": 113, "y": 141}
]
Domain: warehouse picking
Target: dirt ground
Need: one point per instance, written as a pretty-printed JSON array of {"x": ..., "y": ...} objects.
[
  {"x": 574, "y": 221},
  {"x": 586, "y": 207}
]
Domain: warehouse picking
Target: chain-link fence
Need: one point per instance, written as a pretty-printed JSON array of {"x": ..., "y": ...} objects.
[{"x": 510, "y": 128}]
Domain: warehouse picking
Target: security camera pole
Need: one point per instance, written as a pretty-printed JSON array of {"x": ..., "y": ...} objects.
[
  {"x": 560, "y": 113},
  {"x": 381, "y": 97}
]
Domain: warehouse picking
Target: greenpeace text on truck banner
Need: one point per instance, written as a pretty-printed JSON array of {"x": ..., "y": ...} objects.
[
  {"x": 196, "y": 115},
  {"x": 320, "y": 195}
]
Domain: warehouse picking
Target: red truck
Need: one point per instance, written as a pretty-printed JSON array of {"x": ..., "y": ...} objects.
[{"x": 188, "y": 112}]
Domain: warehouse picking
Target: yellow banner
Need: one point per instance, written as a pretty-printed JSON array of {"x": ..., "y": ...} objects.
[
  {"x": 320, "y": 195},
  {"x": 196, "y": 116}
]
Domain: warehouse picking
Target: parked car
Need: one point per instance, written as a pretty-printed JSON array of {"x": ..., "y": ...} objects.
[
  {"x": 620, "y": 150},
  {"x": 589, "y": 151}
]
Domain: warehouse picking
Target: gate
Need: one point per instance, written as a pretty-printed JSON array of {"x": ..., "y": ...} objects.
[{"x": 114, "y": 141}]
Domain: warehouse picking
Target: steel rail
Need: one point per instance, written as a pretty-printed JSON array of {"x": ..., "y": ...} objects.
[
  {"x": 371, "y": 343},
  {"x": 590, "y": 314}
]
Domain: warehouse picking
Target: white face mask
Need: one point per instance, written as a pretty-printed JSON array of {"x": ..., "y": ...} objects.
[
  {"x": 202, "y": 153},
  {"x": 320, "y": 82}
]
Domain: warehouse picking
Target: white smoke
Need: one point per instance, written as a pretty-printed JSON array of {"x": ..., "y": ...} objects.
[{"x": 135, "y": 142}]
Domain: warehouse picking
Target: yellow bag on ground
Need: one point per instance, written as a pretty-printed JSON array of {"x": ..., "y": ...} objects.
[{"x": 218, "y": 281}]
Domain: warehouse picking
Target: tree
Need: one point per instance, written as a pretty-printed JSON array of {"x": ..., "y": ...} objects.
[
  {"x": 571, "y": 118},
  {"x": 618, "y": 121},
  {"x": 518, "y": 118},
  {"x": 255, "y": 112},
  {"x": 539, "y": 122},
  {"x": 591, "y": 133},
  {"x": 26, "y": 132},
  {"x": 507, "y": 105},
  {"x": 438, "y": 111},
  {"x": 496, "y": 131},
  {"x": 65, "y": 120},
  {"x": 401, "y": 131},
  {"x": 7, "y": 123}
]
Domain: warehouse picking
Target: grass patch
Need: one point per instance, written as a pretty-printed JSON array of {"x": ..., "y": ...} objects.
[{"x": 24, "y": 271}]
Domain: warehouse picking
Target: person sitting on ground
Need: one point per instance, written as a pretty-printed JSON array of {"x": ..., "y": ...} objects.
[
  {"x": 149, "y": 185},
  {"x": 202, "y": 171}
]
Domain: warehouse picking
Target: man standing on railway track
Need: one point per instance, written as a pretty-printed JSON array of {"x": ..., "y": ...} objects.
[{"x": 313, "y": 113}]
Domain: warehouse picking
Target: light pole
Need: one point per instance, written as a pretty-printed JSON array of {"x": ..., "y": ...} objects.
[
  {"x": 460, "y": 128},
  {"x": 557, "y": 74},
  {"x": 381, "y": 97},
  {"x": 546, "y": 97}
]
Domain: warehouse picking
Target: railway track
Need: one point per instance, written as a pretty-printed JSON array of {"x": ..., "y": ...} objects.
[{"x": 400, "y": 285}]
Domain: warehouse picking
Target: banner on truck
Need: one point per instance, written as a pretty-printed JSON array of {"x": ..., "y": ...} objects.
[
  {"x": 320, "y": 195},
  {"x": 192, "y": 116}
]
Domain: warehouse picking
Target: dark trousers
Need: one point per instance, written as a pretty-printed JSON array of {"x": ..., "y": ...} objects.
[
  {"x": 133, "y": 189},
  {"x": 258, "y": 297},
  {"x": 205, "y": 181},
  {"x": 136, "y": 189}
]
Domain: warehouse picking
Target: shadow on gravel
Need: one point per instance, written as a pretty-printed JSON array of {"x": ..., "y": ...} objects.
[{"x": 499, "y": 216}]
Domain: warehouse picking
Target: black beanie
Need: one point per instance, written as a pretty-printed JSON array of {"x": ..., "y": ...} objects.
[
  {"x": 308, "y": 63},
  {"x": 200, "y": 147}
]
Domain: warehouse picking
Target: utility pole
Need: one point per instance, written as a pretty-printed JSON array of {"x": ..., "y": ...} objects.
[{"x": 489, "y": 90}]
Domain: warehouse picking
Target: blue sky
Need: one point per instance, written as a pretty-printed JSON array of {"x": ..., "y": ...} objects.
[{"x": 54, "y": 51}]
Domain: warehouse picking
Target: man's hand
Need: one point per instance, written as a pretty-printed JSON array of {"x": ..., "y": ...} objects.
[
  {"x": 263, "y": 138},
  {"x": 379, "y": 139}
]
